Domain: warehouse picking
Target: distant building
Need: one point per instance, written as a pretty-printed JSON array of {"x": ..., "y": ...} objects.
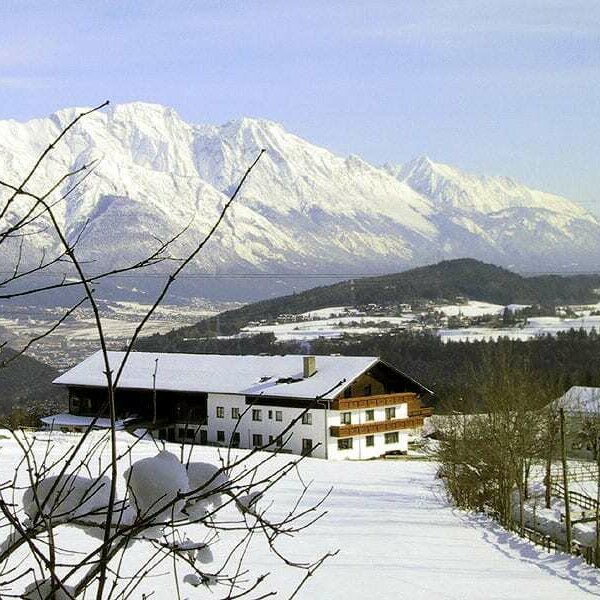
[
  {"x": 356, "y": 407},
  {"x": 580, "y": 401},
  {"x": 581, "y": 405}
]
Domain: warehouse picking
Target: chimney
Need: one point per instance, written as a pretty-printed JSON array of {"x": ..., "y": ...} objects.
[{"x": 310, "y": 366}]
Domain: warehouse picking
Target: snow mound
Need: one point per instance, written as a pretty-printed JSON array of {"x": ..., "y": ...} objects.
[
  {"x": 209, "y": 481},
  {"x": 155, "y": 484},
  {"x": 67, "y": 497}
]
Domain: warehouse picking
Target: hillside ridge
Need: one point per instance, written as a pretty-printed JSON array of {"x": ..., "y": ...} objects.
[{"x": 466, "y": 277}]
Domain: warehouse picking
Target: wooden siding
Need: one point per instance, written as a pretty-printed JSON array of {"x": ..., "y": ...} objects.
[
  {"x": 375, "y": 401},
  {"x": 375, "y": 427},
  {"x": 359, "y": 386}
]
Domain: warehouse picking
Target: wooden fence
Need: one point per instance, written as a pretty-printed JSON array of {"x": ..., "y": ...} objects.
[
  {"x": 580, "y": 472},
  {"x": 578, "y": 498},
  {"x": 543, "y": 540},
  {"x": 552, "y": 545}
]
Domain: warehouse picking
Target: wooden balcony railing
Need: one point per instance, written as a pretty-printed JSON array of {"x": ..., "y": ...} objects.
[
  {"x": 424, "y": 411},
  {"x": 374, "y": 401},
  {"x": 375, "y": 427}
]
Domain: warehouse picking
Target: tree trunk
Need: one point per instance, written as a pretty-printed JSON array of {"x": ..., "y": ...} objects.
[
  {"x": 548, "y": 481},
  {"x": 521, "y": 511},
  {"x": 154, "y": 392}
]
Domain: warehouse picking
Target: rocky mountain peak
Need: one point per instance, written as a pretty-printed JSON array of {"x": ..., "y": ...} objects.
[{"x": 302, "y": 209}]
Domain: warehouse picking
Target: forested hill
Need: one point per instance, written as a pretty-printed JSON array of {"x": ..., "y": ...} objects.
[
  {"x": 470, "y": 278},
  {"x": 26, "y": 385}
]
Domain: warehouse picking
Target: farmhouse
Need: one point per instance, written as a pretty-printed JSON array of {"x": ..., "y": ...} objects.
[
  {"x": 581, "y": 406},
  {"x": 580, "y": 402},
  {"x": 333, "y": 407}
]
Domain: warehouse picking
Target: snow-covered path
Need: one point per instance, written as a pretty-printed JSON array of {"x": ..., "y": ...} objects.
[{"x": 397, "y": 536}]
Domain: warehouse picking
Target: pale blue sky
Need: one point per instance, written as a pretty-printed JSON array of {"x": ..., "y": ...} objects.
[{"x": 497, "y": 87}]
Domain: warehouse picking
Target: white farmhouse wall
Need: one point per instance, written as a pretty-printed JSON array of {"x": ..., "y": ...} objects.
[
  {"x": 360, "y": 450},
  {"x": 318, "y": 431},
  {"x": 267, "y": 426}
]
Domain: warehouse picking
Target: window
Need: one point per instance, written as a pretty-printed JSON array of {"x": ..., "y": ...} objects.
[
  {"x": 220, "y": 436},
  {"x": 346, "y": 418},
  {"x": 278, "y": 440},
  {"x": 235, "y": 439},
  {"x": 306, "y": 419},
  {"x": 257, "y": 440},
  {"x": 370, "y": 440},
  {"x": 391, "y": 438},
  {"x": 235, "y": 412},
  {"x": 278, "y": 415},
  {"x": 220, "y": 412},
  {"x": 348, "y": 392},
  {"x": 390, "y": 413},
  {"x": 307, "y": 446},
  {"x": 256, "y": 414},
  {"x": 345, "y": 444},
  {"x": 190, "y": 434},
  {"x": 270, "y": 414},
  {"x": 369, "y": 415},
  {"x": 367, "y": 390}
]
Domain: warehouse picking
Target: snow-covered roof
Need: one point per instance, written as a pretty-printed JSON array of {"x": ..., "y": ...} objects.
[
  {"x": 67, "y": 420},
  {"x": 279, "y": 376},
  {"x": 580, "y": 400}
]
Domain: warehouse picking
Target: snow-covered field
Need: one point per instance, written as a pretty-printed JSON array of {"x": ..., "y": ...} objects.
[
  {"x": 397, "y": 536},
  {"x": 336, "y": 321},
  {"x": 536, "y": 327},
  {"x": 328, "y": 327},
  {"x": 119, "y": 321}
]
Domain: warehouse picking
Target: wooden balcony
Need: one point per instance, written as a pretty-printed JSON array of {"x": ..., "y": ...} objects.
[
  {"x": 416, "y": 410},
  {"x": 424, "y": 411},
  {"x": 375, "y": 401},
  {"x": 375, "y": 427}
]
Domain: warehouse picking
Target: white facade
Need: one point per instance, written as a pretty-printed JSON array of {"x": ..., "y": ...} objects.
[
  {"x": 361, "y": 451},
  {"x": 268, "y": 422},
  {"x": 231, "y": 420},
  {"x": 362, "y": 447}
]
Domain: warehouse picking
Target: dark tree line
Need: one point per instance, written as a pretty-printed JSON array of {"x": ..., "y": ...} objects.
[
  {"x": 570, "y": 358},
  {"x": 26, "y": 387}
]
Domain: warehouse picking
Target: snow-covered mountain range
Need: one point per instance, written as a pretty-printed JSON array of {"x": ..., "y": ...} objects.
[{"x": 302, "y": 210}]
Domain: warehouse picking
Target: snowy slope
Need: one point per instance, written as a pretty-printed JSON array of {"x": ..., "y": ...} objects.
[
  {"x": 397, "y": 536},
  {"x": 302, "y": 210}
]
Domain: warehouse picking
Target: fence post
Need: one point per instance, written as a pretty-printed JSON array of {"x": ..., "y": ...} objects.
[{"x": 563, "y": 453}]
